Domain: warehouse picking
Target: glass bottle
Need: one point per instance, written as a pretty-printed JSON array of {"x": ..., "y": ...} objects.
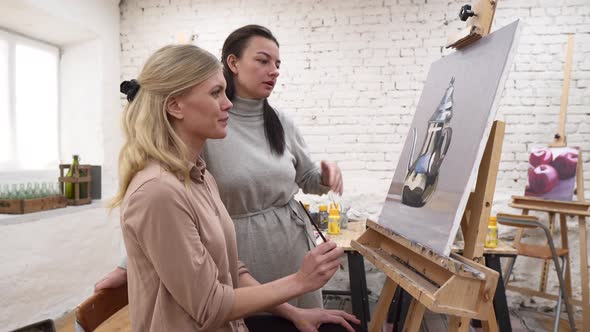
[
  {"x": 4, "y": 191},
  {"x": 334, "y": 220},
  {"x": 44, "y": 192},
  {"x": 306, "y": 206},
  {"x": 29, "y": 191},
  {"x": 36, "y": 190},
  {"x": 492, "y": 235},
  {"x": 69, "y": 186},
  {"x": 22, "y": 191},
  {"x": 13, "y": 194}
]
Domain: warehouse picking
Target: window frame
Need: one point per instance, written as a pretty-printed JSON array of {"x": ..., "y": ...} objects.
[{"x": 13, "y": 38}]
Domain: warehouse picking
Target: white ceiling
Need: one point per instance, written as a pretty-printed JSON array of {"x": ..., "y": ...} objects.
[{"x": 20, "y": 17}]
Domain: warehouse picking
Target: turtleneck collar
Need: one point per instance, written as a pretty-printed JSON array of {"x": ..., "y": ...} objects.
[{"x": 247, "y": 107}]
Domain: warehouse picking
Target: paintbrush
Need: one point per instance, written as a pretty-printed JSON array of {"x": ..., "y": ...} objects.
[
  {"x": 313, "y": 223},
  {"x": 316, "y": 228},
  {"x": 336, "y": 205},
  {"x": 331, "y": 195}
]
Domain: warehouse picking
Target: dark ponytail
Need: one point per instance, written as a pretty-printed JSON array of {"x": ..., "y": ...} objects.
[{"x": 235, "y": 44}]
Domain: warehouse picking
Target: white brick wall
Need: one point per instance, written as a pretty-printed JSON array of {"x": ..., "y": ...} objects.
[{"x": 353, "y": 71}]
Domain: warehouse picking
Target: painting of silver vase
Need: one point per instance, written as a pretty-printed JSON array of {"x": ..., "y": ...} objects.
[{"x": 423, "y": 172}]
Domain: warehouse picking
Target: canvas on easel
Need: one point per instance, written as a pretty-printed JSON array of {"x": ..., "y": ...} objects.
[
  {"x": 439, "y": 161},
  {"x": 552, "y": 173}
]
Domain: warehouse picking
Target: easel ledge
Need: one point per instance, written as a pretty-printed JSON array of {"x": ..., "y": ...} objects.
[
  {"x": 448, "y": 285},
  {"x": 452, "y": 264},
  {"x": 572, "y": 208}
]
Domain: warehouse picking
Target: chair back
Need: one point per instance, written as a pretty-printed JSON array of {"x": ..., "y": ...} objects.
[{"x": 99, "y": 307}]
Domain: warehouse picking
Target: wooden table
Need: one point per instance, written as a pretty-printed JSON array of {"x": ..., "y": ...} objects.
[
  {"x": 354, "y": 230},
  {"x": 359, "y": 295},
  {"x": 503, "y": 249}
]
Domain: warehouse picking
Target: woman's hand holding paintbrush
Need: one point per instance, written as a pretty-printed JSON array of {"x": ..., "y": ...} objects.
[
  {"x": 316, "y": 227},
  {"x": 319, "y": 265}
]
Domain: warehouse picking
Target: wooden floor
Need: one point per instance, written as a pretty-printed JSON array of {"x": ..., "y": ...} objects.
[{"x": 524, "y": 320}]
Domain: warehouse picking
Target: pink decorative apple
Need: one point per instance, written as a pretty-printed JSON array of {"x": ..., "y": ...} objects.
[
  {"x": 540, "y": 157},
  {"x": 566, "y": 164},
  {"x": 543, "y": 178}
]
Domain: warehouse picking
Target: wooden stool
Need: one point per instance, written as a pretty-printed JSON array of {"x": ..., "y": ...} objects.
[
  {"x": 99, "y": 307},
  {"x": 545, "y": 253}
]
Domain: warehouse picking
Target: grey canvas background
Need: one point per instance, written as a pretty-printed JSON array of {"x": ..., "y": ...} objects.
[{"x": 480, "y": 70}]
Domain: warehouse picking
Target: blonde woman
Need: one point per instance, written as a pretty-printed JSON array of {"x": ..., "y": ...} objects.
[{"x": 183, "y": 269}]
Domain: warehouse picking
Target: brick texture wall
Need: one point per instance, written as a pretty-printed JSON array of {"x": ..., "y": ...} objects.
[{"x": 353, "y": 71}]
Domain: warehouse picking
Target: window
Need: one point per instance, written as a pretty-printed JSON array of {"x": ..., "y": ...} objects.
[
  {"x": 29, "y": 120},
  {"x": 5, "y": 131}
]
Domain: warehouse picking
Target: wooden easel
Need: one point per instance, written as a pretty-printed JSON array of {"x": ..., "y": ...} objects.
[
  {"x": 455, "y": 285},
  {"x": 559, "y": 140},
  {"x": 479, "y": 23},
  {"x": 458, "y": 286},
  {"x": 580, "y": 209}
]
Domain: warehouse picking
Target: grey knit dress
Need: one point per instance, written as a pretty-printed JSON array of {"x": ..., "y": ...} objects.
[{"x": 258, "y": 188}]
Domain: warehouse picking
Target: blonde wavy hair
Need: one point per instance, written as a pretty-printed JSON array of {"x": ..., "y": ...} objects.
[{"x": 171, "y": 71}]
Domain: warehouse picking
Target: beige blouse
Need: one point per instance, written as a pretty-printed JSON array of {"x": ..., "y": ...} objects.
[{"x": 181, "y": 244}]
